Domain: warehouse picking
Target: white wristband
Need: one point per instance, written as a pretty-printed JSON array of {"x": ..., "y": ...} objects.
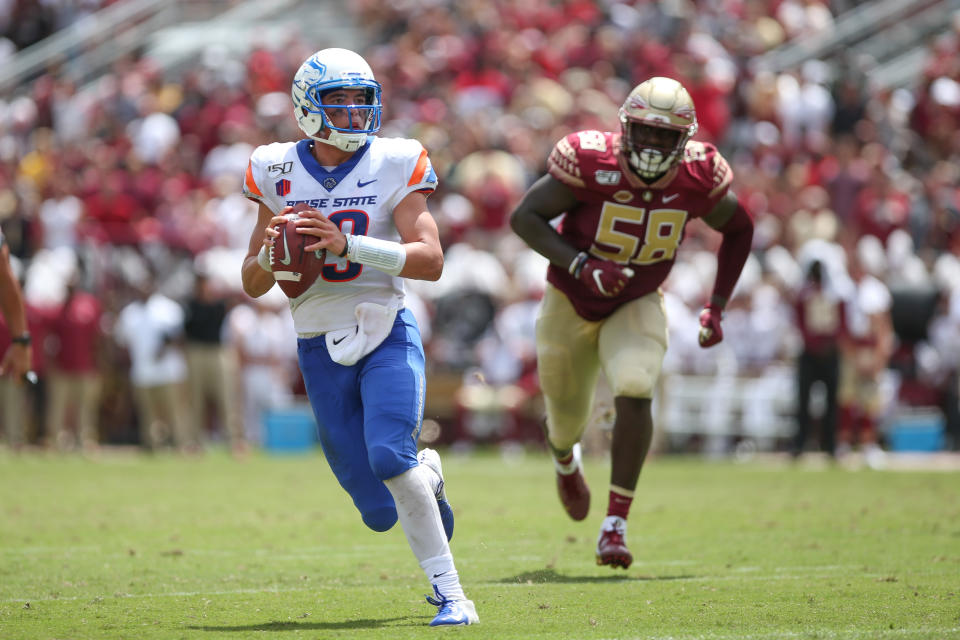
[
  {"x": 384, "y": 255},
  {"x": 263, "y": 259}
]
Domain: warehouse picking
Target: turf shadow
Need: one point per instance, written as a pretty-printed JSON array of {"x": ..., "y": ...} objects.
[
  {"x": 554, "y": 577},
  {"x": 290, "y": 625}
]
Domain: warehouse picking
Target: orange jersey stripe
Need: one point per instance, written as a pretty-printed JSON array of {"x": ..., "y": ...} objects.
[
  {"x": 419, "y": 170},
  {"x": 250, "y": 183}
]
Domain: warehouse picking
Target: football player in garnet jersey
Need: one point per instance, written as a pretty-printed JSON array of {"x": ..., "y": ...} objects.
[
  {"x": 359, "y": 349},
  {"x": 626, "y": 197},
  {"x": 17, "y": 357}
]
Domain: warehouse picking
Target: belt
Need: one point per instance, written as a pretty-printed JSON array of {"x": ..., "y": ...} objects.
[{"x": 316, "y": 334}]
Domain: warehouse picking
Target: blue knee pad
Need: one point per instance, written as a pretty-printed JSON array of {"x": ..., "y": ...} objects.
[
  {"x": 380, "y": 519},
  {"x": 387, "y": 462}
]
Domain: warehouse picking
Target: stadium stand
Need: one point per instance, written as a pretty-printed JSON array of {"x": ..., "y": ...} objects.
[{"x": 125, "y": 127}]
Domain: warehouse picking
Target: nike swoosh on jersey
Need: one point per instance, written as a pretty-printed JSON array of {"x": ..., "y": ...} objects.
[
  {"x": 670, "y": 197},
  {"x": 361, "y": 184},
  {"x": 337, "y": 341}
]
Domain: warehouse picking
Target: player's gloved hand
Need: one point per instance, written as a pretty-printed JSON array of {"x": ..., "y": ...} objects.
[
  {"x": 710, "y": 331},
  {"x": 603, "y": 277}
]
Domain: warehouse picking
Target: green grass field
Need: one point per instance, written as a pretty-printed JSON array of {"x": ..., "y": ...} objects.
[{"x": 137, "y": 547}]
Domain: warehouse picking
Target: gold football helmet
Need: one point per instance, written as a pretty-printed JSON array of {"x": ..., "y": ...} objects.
[{"x": 657, "y": 119}]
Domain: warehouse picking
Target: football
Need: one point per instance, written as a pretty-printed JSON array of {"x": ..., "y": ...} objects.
[{"x": 293, "y": 268}]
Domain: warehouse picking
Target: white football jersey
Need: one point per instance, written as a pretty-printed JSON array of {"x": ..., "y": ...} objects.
[
  {"x": 870, "y": 297},
  {"x": 359, "y": 196}
]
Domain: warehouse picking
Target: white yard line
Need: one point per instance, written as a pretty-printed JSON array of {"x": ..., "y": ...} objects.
[{"x": 171, "y": 594}]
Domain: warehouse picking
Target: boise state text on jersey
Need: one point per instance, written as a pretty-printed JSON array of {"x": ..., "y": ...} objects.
[
  {"x": 620, "y": 218},
  {"x": 324, "y": 203},
  {"x": 359, "y": 196}
]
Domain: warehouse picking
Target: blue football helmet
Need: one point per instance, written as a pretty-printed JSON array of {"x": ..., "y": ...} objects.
[{"x": 327, "y": 70}]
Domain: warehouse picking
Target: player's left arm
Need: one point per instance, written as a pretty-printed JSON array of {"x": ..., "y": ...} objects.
[
  {"x": 730, "y": 218},
  {"x": 418, "y": 255},
  {"x": 17, "y": 359},
  {"x": 420, "y": 238}
]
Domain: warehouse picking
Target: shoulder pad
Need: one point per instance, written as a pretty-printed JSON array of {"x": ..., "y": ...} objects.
[
  {"x": 708, "y": 166},
  {"x": 262, "y": 160},
  {"x": 565, "y": 162},
  {"x": 413, "y": 157}
]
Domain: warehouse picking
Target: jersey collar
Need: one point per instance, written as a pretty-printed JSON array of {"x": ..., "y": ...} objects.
[{"x": 328, "y": 179}]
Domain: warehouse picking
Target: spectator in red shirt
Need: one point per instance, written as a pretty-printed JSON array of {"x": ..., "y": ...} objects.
[
  {"x": 75, "y": 378},
  {"x": 881, "y": 206},
  {"x": 114, "y": 212},
  {"x": 20, "y": 403}
]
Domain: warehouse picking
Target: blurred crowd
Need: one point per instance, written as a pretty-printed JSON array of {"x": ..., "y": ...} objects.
[
  {"x": 127, "y": 191},
  {"x": 27, "y": 22}
]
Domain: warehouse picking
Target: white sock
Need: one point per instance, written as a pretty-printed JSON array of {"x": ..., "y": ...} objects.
[
  {"x": 573, "y": 465},
  {"x": 420, "y": 518},
  {"x": 441, "y": 573}
]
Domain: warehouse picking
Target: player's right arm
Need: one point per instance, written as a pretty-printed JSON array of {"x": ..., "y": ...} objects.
[
  {"x": 547, "y": 199},
  {"x": 257, "y": 280},
  {"x": 544, "y": 201}
]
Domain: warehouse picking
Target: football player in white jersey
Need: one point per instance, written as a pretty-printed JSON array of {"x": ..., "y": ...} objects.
[{"x": 359, "y": 349}]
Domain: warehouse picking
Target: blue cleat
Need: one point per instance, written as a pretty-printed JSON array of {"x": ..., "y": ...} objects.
[
  {"x": 452, "y": 612},
  {"x": 431, "y": 459}
]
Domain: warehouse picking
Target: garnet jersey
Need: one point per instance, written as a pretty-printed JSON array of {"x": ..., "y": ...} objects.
[
  {"x": 820, "y": 318},
  {"x": 359, "y": 196},
  {"x": 620, "y": 218}
]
